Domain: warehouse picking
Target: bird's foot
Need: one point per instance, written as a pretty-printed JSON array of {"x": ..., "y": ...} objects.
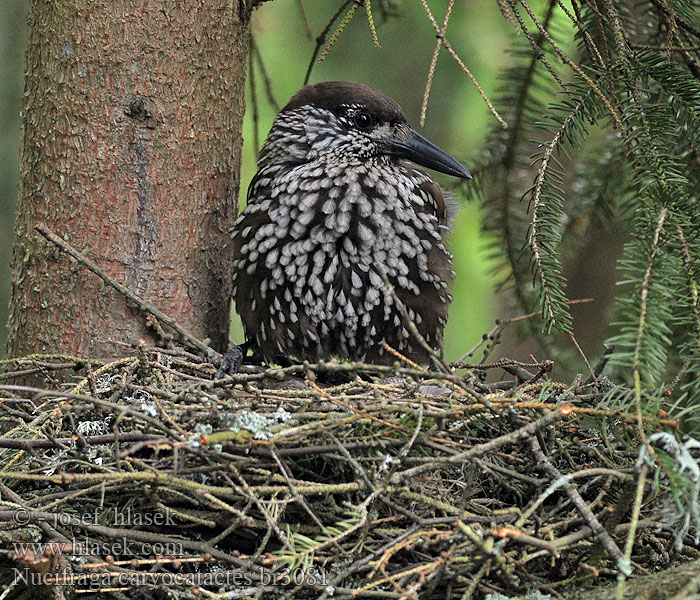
[{"x": 230, "y": 361}]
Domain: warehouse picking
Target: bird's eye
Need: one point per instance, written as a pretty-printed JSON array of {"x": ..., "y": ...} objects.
[{"x": 363, "y": 120}]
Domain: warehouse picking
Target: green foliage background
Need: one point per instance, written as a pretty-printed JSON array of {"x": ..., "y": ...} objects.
[{"x": 457, "y": 119}]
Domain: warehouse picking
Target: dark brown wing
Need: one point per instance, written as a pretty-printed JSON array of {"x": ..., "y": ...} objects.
[
  {"x": 434, "y": 300},
  {"x": 246, "y": 285}
]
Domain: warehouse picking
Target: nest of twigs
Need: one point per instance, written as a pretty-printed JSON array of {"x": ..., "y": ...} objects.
[{"x": 148, "y": 477}]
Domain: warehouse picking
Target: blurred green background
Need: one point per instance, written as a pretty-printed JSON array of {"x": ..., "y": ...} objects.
[{"x": 457, "y": 119}]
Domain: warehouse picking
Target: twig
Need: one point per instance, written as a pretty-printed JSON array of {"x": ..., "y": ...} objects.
[
  {"x": 442, "y": 41},
  {"x": 481, "y": 449},
  {"x": 94, "y": 440},
  {"x": 495, "y": 332},
  {"x": 320, "y": 40},
  {"x": 591, "y": 520},
  {"x": 636, "y": 508},
  {"x": 144, "y": 305}
]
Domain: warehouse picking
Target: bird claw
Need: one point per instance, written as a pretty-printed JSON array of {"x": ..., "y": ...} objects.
[
  {"x": 230, "y": 362},
  {"x": 435, "y": 367}
]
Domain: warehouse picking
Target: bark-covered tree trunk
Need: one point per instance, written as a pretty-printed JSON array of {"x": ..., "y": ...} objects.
[{"x": 131, "y": 151}]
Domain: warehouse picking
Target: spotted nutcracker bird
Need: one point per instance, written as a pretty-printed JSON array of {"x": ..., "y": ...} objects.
[{"x": 336, "y": 202}]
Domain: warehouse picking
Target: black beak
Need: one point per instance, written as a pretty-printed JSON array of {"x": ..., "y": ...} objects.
[{"x": 420, "y": 151}]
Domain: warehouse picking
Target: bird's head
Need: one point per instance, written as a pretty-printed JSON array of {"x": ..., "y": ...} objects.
[{"x": 352, "y": 121}]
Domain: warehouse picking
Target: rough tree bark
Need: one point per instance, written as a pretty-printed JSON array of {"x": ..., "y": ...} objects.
[{"x": 131, "y": 152}]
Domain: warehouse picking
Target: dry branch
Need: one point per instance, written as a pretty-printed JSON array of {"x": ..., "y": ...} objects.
[{"x": 317, "y": 480}]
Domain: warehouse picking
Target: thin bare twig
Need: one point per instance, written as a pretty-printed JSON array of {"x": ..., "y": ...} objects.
[{"x": 144, "y": 305}]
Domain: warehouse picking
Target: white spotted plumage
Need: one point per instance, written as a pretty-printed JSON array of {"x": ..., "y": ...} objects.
[{"x": 327, "y": 212}]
